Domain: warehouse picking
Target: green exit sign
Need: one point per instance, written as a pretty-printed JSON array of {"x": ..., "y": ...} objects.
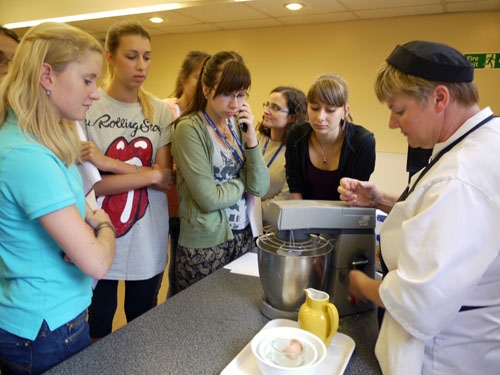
[{"x": 484, "y": 60}]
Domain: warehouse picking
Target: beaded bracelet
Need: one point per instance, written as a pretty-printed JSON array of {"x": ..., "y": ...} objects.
[{"x": 106, "y": 224}]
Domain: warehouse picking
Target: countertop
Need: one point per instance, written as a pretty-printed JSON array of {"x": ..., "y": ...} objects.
[{"x": 200, "y": 331}]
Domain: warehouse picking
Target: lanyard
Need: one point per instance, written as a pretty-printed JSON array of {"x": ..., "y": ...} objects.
[
  {"x": 275, "y": 154},
  {"x": 238, "y": 142},
  {"x": 409, "y": 190}
]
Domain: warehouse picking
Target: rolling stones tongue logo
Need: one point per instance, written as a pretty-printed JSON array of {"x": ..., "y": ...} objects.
[{"x": 125, "y": 209}]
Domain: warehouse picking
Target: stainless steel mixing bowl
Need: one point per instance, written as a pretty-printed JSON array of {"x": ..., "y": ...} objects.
[{"x": 286, "y": 268}]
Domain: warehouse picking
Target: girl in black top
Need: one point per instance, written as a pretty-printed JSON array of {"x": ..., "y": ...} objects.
[{"x": 328, "y": 147}]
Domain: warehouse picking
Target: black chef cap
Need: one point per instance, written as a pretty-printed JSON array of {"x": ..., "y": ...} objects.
[{"x": 432, "y": 61}]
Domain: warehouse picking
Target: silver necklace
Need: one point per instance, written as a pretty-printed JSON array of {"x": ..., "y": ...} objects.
[{"x": 325, "y": 161}]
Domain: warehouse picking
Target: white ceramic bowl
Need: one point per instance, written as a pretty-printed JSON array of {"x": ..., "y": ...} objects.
[{"x": 314, "y": 350}]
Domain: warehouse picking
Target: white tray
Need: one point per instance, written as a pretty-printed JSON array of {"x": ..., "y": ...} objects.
[{"x": 337, "y": 356}]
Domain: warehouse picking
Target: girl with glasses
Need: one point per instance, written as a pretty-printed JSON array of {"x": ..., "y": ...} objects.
[
  {"x": 219, "y": 168},
  {"x": 285, "y": 107}
]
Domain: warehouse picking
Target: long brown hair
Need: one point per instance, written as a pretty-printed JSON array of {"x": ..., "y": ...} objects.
[
  {"x": 192, "y": 61},
  {"x": 112, "y": 43},
  {"x": 296, "y": 102},
  {"x": 225, "y": 72},
  {"x": 330, "y": 89}
]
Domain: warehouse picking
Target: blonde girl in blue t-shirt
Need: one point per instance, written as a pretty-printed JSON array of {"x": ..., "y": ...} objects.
[{"x": 51, "y": 243}]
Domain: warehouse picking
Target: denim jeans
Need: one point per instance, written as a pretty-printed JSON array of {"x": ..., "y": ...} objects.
[{"x": 21, "y": 356}]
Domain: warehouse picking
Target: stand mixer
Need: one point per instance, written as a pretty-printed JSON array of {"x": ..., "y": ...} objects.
[{"x": 314, "y": 244}]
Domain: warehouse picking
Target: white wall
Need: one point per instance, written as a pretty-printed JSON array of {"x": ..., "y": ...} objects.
[
  {"x": 296, "y": 54},
  {"x": 390, "y": 172}
]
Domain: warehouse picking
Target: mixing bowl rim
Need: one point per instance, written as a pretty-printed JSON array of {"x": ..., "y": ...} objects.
[{"x": 326, "y": 253}]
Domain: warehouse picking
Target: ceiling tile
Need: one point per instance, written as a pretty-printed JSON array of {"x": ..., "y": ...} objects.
[
  {"x": 399, "y": 11},
  {"x": 384, "y": 4},
  {"x": 249, "y": 24},
  {"x": 222, "y": 12},
  {"x": 211, "y": 15},
  {"x": 277, "y": 8},
  {"x": 319, "y": 18},
  {"x": 472, "y": 6}
]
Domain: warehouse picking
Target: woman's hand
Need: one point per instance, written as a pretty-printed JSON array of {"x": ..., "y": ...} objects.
[
  {"x": 358, "y": 193},
  {"x": 355, "y": 289},
  {"x": 166, "y": 177},
  {"x": 90, "y": 152},
  {"x": 94, "y": 218},
  {"x": 363, "y": 288},
  {"x": 365, "y": 194},
  {"x": 245, "y": 116}
]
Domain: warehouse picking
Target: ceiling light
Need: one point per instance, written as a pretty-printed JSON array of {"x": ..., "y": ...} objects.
[
  {"x": 156, "y": 19},
  {"x": 91, "y": 16},
  {"x": 294, "y": 6}
]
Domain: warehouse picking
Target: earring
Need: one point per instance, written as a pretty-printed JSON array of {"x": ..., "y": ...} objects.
[
  {"x": 342, "y": 122},
  {"x": 48, "y": 92}
]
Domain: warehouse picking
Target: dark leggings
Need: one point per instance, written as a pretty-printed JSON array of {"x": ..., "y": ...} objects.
[
  {"x": 140, "y": 296},
  {"x": 174, "y": 226}
]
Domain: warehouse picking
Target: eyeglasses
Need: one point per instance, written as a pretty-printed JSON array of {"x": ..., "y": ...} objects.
[
  {"x": 239, "y": 96},
  {"x": 274, "y": 108}
]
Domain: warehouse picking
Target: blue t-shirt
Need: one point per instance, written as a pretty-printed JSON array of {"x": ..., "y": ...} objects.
[{"x": 36, "y": 283}]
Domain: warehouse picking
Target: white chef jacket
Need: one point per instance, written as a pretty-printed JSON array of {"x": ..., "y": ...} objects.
[{"x": 441, "y": 246}]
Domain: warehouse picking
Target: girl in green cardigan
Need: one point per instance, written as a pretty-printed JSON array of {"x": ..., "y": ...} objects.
[{"x": 220, "y": 169}]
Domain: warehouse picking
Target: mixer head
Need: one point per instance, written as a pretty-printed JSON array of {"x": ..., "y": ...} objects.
[{"x": 316, "y": 215}]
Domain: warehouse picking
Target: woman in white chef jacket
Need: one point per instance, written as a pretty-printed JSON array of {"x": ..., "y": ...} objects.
[{"x": 439, "y": 242}]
